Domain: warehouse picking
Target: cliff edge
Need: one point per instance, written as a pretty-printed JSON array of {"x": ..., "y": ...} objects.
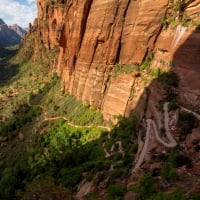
[{"x": 92, "y": 39}]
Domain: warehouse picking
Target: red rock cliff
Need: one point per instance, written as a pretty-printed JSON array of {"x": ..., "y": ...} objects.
[{"x": 93, "y": 35}]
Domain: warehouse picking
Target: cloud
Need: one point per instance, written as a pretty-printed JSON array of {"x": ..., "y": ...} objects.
[
  {"x": 31, "y": 1},
  {"x": 19, "y": 12}
]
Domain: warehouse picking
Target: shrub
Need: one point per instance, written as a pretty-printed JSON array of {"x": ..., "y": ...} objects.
[
  {"x": 123, "y": 69},
  {"x": 176, "y": 194},
  {"x": 44, "y": 189},
  {"x": 92, "y": 196},
  {"x": 145, "y": 187},
  {"x": 169, "y": 79},
  {"x": 178, "y": 159},
  {"x": 173, "y": 105},
  {"x": 24, "y": 115},
  {"x": 69, "y": 177},
  {"x": 187, "y": 122},
  {"x": 115, "y": 192},
  {"x": 8, "y": 183},
  {"x": 168, "y": 172}
]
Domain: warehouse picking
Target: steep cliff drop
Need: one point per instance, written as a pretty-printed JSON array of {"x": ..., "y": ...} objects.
[{"x": 92, "y": 37}]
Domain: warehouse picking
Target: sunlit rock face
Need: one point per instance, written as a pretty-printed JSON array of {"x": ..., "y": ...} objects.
[{"x": 93, "y": 35}]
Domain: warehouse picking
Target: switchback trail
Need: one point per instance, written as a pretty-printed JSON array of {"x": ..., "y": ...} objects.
[{"x": 152, "y": 125}]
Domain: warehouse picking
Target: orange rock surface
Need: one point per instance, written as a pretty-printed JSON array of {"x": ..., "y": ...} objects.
[{"x": 93, "y": 35}]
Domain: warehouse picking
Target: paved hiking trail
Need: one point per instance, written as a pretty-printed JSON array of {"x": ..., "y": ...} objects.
[{"x": 151, "y": 126}]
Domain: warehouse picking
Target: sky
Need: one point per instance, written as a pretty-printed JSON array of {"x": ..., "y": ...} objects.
[{"x": 19, "y": 12}]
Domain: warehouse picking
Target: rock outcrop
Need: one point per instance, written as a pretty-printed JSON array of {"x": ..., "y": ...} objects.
[{"x": 92, "y": 36}]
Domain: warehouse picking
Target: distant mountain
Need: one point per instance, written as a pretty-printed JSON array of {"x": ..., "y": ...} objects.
[
  {"x": 10, "y": 35},
  {"x": 19, "y": 30}
]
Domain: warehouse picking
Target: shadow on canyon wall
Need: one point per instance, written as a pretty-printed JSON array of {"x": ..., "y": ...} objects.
[
  {"x": 186, "y": 63},
  {"x": 181, "y": 84},
  {"x": 70, "y": 167}
]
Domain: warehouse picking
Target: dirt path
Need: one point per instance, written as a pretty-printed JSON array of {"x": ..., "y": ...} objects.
[
  {"x": 189, "y": 111},
  {"x": 64, "y": 118}
]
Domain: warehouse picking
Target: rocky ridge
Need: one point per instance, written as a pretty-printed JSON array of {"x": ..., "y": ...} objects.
[
  {"x": 10, "y": 35},
  {"x": 19, "y": 30}
]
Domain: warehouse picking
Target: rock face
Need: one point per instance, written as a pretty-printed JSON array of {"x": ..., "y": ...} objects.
[
  {"x": 10, "y": 35},
  {"x": 93, "y": 35}
]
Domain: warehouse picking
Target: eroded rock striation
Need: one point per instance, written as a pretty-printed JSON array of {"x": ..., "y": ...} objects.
[{"x": 89, "y": 37}]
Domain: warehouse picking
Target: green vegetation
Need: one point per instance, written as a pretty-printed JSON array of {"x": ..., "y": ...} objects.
[
  {"x": 173, "y": 105},
  {"x": 187, "y": 122},
  {"x": 22, "y": 116},
  {"x": 176, "y": 194},
  {"x": 175, "y": 159},
  {"x": 148, "y": 189},
  {"x": 65, "y": 105},
  {"x": 169, "y": 81},
  {"x": 177, "y": 15},
  {"x": 145, "y": 188},
  {"x": 168, "y": 172},
  {"x": 7, "y": 69},
  {"x": 147, "y": 62},
  {"x": 7, "y": 52},
  {"x": 93, "y": 196},
  {"x": 26, "y": 51},
  {"x": 50, "y": 152},
  {"x": 64, "y": 153},
  {"x": 44, "y": 189},
  {"x": 127, "y": 69},
  {"x": 25, "y": 96},
  {"x": 28, "y": 80},
  {"x": 115, "y": 192},
  {"x": 123, "y": 69}
]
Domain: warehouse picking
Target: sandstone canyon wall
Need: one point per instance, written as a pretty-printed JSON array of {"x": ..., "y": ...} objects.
[{"x": 92, "y": 36}]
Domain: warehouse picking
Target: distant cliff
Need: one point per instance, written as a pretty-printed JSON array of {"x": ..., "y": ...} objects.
[
  {"x": 91, "y": 39},
  {"x": 19, "y": 30},
  {"x": 10, "y": 35}
]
